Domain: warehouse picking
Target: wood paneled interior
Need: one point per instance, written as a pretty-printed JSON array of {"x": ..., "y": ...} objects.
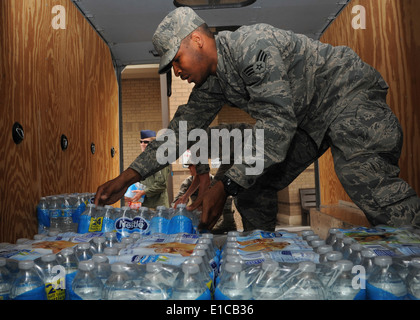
[
  {"x": 53, "y": 82},
  {"x": 391, "y": 44}
]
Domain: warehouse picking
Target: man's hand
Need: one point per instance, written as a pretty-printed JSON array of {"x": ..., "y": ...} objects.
[
  {"x": 212, "y": 203},
  {"x": 137, "y": 195},
  {"x": 113, "y": 190}
]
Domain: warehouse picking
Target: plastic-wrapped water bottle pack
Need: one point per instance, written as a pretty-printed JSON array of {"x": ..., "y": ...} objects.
[{"x": 379, "y": 263}]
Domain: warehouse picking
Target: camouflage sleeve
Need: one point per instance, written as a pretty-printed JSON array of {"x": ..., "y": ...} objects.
[
  {"x": 270, "y": 104},
  {"x": 159, "y": 183},
  {"x": 202, "y": 107}
]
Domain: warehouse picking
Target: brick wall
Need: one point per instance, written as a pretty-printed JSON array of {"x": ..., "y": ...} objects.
[{"x": 141, "y": 111}]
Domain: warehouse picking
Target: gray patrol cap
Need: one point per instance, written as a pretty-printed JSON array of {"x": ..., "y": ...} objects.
[{"x": 171, "y": 31}]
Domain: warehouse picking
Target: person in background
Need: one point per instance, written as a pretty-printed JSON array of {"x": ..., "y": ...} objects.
[
  {"x": 201, "y": 179},
  {"x": 156, "y": 192}
]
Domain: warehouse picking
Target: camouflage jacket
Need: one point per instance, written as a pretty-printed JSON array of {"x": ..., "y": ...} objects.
[
  {"x": 156, "y": 189},
  {"x": 283, "y": 80}
]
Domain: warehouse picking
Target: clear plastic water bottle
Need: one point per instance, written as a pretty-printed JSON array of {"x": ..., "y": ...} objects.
[
  {"x": 190, "y": 284},
  {"x": 80, "y": 207},
  {"x": 119, "y": 286},
  {"x": 5, "y": 280},
  {"x": 316, "y": 243},
  {"x": 347, "y": 250},
  {"x": 307, "y": 233},
  {"x": 43, "y": 216},
  {"x": 67, "y": 210},
  {"x": 108, "y": 223},
  {"x": 331, "y": 236},
  {"x": 384, "y": 283},
  {"x": 326, "y": 270},
  {"x": 124, "y": 222},
  {"x": 322, "y": 251},
  {"x": 86, "y": 286},
  {"x": 341, "y": 285},
  {"x": 54, "y": 277},
  {"x": 304, "y": 284},
  {"x": 368, "y": 257},
  {"x": 68, "y": 260},
  {"x": 85, "y": 218},
  {"x": 27, "y": 284},
  {"x": 160, "y": 221},
  {"x": 210, "y": 266},
  {"x": 111, "y": 239},
  {"x": 54, "y": 211},
  {"x": 102, "y": 266},
  {"x": 111, "y": 253},
  {"x": 338, "y": 243},
  {"x": 268, "y": 285},
  {"x": 413, "y": 280},
  {"x": 155, "y": 283},
  {"x": 83, "y": 251},
  {"x": 356, "y": 253},
  {"x": 208, "y": 281},
  {"x": 181, "y": 221},
  {"x": 98, "y": 244},
  {"x": 233, "y": 285}
]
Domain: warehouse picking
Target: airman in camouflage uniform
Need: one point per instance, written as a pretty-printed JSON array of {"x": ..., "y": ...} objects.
[{"x": 307, "y": 96}]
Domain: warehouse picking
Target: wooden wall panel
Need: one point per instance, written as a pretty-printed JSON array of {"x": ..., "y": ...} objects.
[
  {"x": 53, "y": 82},
  {"x": 391, "y": 44}
]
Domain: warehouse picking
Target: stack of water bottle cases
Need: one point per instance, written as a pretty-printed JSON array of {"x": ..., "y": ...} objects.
[{"x": 87, "y": 252}]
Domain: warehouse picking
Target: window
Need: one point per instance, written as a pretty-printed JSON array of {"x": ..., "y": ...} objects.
[{"x": 213, "y": 4}]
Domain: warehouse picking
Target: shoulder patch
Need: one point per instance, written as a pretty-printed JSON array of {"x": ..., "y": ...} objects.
[{"x": 258, "y": 66}]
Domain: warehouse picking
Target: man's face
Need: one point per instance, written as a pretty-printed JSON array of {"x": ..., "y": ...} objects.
[
  {"x": 144, "y": 143},
  {"x": 191, "y": 63}
]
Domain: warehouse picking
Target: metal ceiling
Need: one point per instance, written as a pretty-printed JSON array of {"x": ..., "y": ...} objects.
[{"x": 127, "y": 26}]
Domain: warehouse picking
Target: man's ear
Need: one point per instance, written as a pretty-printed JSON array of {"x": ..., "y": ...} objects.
[{"x": 196, "y": 37}]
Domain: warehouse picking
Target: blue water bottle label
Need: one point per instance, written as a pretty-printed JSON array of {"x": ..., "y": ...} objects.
[
  {"x": 218, "y": 295},
  {"x": 374, "y": 293},
  {"x": 69, "y": 282},
  {"x": 84, "y": 223},
  {"x": 95, "y": 224},
  {"x": 78, "y": 212},
  {"x": 205, "y": 296},
  {"x": 34, "y": 294},
  {"x": 108, "y": 225},
  {"x": 55, "y": 213},
  {"x": 43, "y": 217},
  {"x": 124, "y": 226},
  {"x": 159, "y": 225},
  {"x": 4, "y": 296},
  {"x": 180, "y": 224}
]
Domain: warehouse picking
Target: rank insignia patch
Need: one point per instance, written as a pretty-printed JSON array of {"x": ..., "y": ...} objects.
[{"x": 258, "y": 66}]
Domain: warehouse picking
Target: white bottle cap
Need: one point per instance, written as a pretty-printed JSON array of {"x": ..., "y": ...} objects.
[
  {"x": 334, "y": 256},
  {"x": 344, "y": 265},
  {"x": 190, "y": 268},
  {"x": 86, "y": 265},
  {"x": 26, "y": 264},
  {"x": 99, "y": 258},
  {"x": 48, "y": 257},
  {"x": 83, "y": 246},
  {"x": 118, "y": 267},
  {"x": 383, "y": 261}
]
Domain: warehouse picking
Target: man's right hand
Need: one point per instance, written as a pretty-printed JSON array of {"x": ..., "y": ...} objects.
[{"x": 114, "y": 190}]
